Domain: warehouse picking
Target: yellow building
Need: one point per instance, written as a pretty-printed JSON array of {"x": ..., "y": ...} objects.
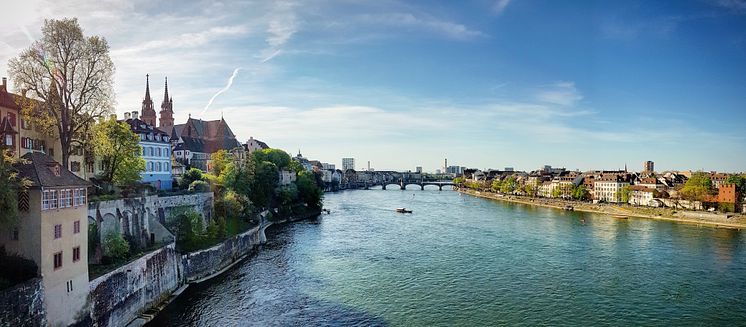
[
  {"x": 21, "y": 137},
  {"x": 52, "y": 230}
]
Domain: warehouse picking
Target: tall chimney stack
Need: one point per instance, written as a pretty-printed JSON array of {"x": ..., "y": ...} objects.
[{"x": 5, "y": 82}]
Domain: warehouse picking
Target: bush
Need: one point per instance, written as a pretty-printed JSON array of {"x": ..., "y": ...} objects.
[
  {"x": 191, "y": 175},
  {"x": 116, "y": 247},
  {"x": 199, "y": 186}
]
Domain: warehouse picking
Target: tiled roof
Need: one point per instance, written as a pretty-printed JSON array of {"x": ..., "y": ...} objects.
[{"x": 38, "y": 168}]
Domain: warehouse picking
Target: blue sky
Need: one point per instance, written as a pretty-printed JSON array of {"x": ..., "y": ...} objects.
[{"x": 519, "y": 83}]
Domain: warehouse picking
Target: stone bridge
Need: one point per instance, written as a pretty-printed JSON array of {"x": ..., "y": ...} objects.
[{"x": 403, "y": 184}]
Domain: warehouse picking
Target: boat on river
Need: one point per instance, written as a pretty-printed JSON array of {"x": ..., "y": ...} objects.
[{"x": 403, "y": 210}]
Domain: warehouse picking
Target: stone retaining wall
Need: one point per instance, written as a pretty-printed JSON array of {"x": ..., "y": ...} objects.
[
  {"x": 203, "y": 263},
  {"x": 118, "y": 297},
  {"x": 23, "y": 304}
]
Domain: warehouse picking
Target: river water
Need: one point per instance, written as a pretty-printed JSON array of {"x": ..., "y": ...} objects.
[{"x": 465, "y": 261}]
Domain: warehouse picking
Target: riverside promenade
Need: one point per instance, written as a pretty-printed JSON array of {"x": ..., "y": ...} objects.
[{"x": 704, "y": 219}]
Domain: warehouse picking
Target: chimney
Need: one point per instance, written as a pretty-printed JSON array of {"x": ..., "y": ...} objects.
[
  {"x": 5, "y": 82},
  {"x": 134, "y": 114},
  {"x": 126, "y": 115}
]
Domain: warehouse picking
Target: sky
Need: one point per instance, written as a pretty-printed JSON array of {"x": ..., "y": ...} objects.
[{"x": 483, "y": 83}]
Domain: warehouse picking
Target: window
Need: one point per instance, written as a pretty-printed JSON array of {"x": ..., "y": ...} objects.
[
  {"x": 51, "y": 152},
  {"x": 8, "y": 139},
  {"x": 158, "y": 152},
  {"x": 58, "y": 260},
  {"x": 25, "y": 124},
  {"x": 159, "y": 166},
  {"x": 150, "y": 166},
  {"x": 69, "y": 198},
  {"x": 75, "y": 166},
  {"x": 12, "y": 118},
  {"x": 165, "y": 167},
  {"x": 76, "y": 227},
  {"x": 45, "y": 200},
  {"x": 69, "y": 284},
  {"x": 142, "y": 137},
  {"x": 82, "y": 194},
  {"x": 76, "y": 254},
  {"x": 57, "y": 231},
  {"x": 14, "y": 234},
  {"x": 53, "y": 199},
  {"x": 65, "y": 199}
]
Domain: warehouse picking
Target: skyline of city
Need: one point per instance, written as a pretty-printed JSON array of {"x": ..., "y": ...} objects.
[{"x": 486, "y": 83}]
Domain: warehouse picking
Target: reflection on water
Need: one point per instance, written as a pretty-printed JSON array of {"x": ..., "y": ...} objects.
[{"x": 460, "y": 260}]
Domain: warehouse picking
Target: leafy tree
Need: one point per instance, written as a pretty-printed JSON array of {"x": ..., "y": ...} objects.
[
  {"x": 191, "y": 175},
  {"x": 199, "y": 186},
  {"x": 530, "y": 189},
  {"x": 308, "y": 190},
  {"x": 263, "y": 184},
  {"x": 697, "y": 188},
  {"x": 496, "y": 185},
  {"x": 276, "y": 156},
  {"x": 458, "y": 180},
  {"x": 624, "y": 194},
  {"x": 72, "y": 74},
  {"x": 220, "y": 160},
  {"x": 115, "y": 246},
  {"x": 509, "y": 185},
  {"x": 557, "y": 192},
  {"x": 580, "y": 193},
  {"x": 10, "y": 185},
  {"x": 119, "y": 151},
  {"x": 739, "y": 181},
  {"x": 295, "y": 166}
]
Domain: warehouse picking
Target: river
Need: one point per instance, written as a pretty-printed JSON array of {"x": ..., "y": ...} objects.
[{"x": 465, "y": 261}]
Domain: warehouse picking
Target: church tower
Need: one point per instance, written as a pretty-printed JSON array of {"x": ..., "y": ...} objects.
[
  {"x": 148, "y": 113},
  {"x": 167, "y": 111}
]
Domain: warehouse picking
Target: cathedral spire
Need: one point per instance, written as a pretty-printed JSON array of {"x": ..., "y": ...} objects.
[
  {"x": 147, "y": 88},
  {"x": 165, "y": 93}
]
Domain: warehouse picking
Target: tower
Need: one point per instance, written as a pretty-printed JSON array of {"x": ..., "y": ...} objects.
[
  {"x": 147, "y": 113},
  {"x": 167, "y": 110}
]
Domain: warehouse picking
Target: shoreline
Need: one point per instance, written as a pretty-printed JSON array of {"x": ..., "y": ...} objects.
[{"x": 516, "y": 199}]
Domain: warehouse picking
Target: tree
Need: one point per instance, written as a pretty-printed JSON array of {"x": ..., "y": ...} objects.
[
  {"x": 191, "y": 175},
  {"x": 276, "y": 156},
  {"x": 531, "y": 189},
  {"x": 739, "y": 181},
  {"x": 263, "y": 184},
  {"x": 118, "y": 149},
  {"x": 624, "y": 194},
  {"x": 308, "y": 190},
  {"x": 115, "y": 246},
  {"x": 508, "y": 186},
  {"x": 10, "y": 186},
  {"x": 496, "y": 185},
  {"x": 580, "y": 193},
  {"x": 220, "y": 160},
  {"x": 72, "y": 74},
  {"x": 697, "y": 188}
]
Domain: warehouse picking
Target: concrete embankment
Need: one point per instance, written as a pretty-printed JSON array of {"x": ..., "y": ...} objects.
[{"x": 697, "y": 218}]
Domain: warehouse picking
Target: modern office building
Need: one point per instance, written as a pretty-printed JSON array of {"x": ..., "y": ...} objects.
[{"x": 348, "y": 163}]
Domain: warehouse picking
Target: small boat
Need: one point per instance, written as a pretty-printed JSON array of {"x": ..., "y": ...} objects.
[
  {"x": 403, "y": 210},
  {"x": 620, "y": 217},
  {"x": 569, "y": 208}
]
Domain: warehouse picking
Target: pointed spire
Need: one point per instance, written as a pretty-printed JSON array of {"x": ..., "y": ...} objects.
[
  {"x": 165, "y": 93},
  {"x": 147, "y": 87}
]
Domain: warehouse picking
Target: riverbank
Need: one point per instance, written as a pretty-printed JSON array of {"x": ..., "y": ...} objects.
[{"x": 737, "y": 222}]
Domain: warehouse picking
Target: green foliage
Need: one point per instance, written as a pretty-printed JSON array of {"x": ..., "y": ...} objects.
[
  {"x": 199, "y": 186},
  {"x": 263, "y": 184},
  {"x": 279, "y": 158},
  {"x": 94, "y": 240},
  {"x": 580, "y": 193},
  {"x": 116, "y": 247},
  {"x": 496, "y": 185},
  {"x": 509, "y": 185},
  {"x": 726, "y": 207},
  {"x": 458, "y": 180},
  {"x": 295, "y": 166},
  {"x": 118, "y": 149},
  {"x": 191, "y": 175},
  {"x": 220, "y": 161},
  {"x": 308, "y": 190},
  {"x": 10, "y": 185},
  {"x": 697, "y": 188},
  {"x": 740, "y": 181},
  {"x": 530, "y": 189},
  {"x": 625, "y": 194}
]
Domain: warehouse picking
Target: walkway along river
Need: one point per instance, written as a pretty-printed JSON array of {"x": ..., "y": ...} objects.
[{"x": 462, "y": 260}]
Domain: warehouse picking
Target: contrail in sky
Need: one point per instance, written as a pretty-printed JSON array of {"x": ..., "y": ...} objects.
[{"x": 230, "y": 82}]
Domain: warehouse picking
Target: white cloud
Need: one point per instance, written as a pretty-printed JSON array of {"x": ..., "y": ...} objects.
[
  {"x": 561, "y": 93},
  {"x": 423, "y": 22},
  {"x": 500, "y": 6}
]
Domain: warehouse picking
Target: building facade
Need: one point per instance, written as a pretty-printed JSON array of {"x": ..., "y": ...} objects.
[
  {"x": 155, "y": 149},
  {"x": 52, "y": 231},
  {"x": 348, "y": 163}
]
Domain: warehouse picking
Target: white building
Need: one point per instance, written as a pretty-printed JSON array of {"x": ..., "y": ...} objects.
[
  {"x": 253, "y": 145},
  {"x": 348, "y": 163},
  {"x": 607, "y": 188},
  {"x": 287, "y": 177}
]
